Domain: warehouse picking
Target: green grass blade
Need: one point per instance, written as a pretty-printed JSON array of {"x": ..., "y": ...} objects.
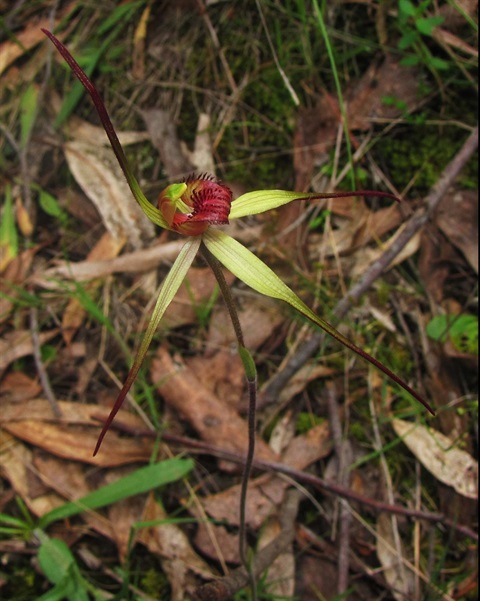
[
  {"x": 142, "y": 480},
  {"x": 341, "y": 103}
]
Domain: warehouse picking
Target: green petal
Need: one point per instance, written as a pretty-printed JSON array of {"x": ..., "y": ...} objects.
[
  {"x": 170, "y": 286},
  {"x": 251, "y": 270}
]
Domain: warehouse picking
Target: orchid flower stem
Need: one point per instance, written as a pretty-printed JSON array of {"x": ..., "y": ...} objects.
[{"x": 251, "y": 374}]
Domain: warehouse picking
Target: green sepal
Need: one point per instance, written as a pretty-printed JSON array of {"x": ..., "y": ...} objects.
[
  {"x": 251, "y": 270},
  {"x": 169, "y": 289}
]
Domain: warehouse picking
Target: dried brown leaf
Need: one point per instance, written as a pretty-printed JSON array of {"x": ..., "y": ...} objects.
[
  {"x": 17, "y": 387},
  {"x": 259, "y": 318},
  {"x": 14, "y": 276},
  {"x": 439, "y": 455},
  {"x": 280, "y": 578},
  {"x": 26, "y": 39},
  {"x": 17, "y": 344},
  {"x": 307, "y": 373},
  {"x": 192, "y": 296},
  {"x": 97, "y": 172},
  {"x": 72, "y": 413},
  {"x": 15, "y": 466},
  {"x": 222, "y": 373},
  {"x": 124, "y": 513},
  {"x": 457, "y": 218},
  {"x": 398, "y": 576},
  {"x": 169, "y": 541},
  {"x": 366, "y": 256},
  {"x": 366, "y": 100},
  {"x": 213, "y": 419},
  {"x": 77, "y": 443},
  {"x": 266, "y": 492},
  {"x": 105, "y": 249},
  {"x": 73, "y": 436},
  {"x": 217, "y": 543}
]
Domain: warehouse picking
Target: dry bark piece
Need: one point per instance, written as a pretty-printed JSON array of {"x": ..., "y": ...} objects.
[{"x": 136, "y": 262}]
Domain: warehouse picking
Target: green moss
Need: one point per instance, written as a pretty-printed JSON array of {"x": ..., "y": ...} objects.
[
  {"x": 306, "y": 421},
  {"x": 421, "y": 153},
  {"x": 23, "y": 584},
  {"x": 155, "y": 583}
]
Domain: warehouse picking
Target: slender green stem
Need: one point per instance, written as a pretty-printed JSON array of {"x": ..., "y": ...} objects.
[{"x": 251, "y": 374}]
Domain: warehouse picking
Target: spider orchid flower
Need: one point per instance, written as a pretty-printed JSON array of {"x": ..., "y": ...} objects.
[{"x": 191, "y": 208}]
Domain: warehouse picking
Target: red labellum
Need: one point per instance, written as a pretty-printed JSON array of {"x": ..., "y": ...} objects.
[{"x": 190, "y": 208}]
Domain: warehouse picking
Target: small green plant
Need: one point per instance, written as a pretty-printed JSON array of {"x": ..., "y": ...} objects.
[
  {"x": 49, "y": 205},
  {"x": 415, "y": 25},
  {"x": 461, "y": 330},
  {"x": 55, "y": 558},
  {"x": 17, "y": 527}
]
